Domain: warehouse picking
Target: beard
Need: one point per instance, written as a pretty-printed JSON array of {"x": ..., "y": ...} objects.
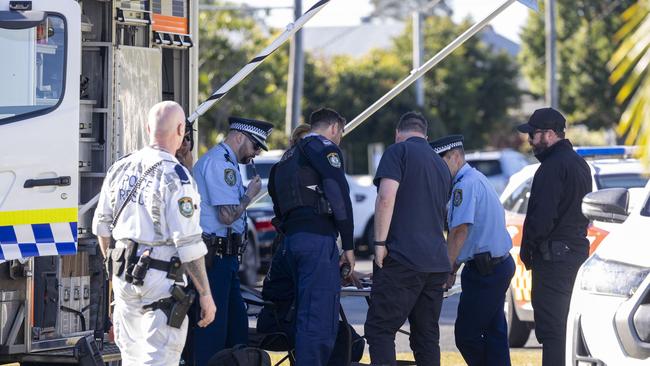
[{"x": 540, "y": 146}]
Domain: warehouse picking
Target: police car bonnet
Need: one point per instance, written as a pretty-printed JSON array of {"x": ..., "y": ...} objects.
[
  {"x": 258, "y": 130},
  {"x": 444, "y": 144}
]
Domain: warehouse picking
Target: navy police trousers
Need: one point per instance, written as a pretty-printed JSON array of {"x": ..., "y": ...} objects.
[
  {"x": 230, "y": 326},
  {"x": 481, "y": 330},
  {"x": 315, "y": 262}
]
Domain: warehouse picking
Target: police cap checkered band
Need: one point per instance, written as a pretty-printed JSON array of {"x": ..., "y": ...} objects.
[
  {"x": 447, "y": 143},
  {"x": 259, "y": 130}
]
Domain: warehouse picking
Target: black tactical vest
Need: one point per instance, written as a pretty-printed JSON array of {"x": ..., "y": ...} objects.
[{"x": 297, "y": 184}]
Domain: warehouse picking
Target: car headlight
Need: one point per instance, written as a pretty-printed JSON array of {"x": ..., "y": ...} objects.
[{"x": 611, "y": 277}]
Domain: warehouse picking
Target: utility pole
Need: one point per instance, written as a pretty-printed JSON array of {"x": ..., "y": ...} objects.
[
  {"x": 418, "y": 50},
  {"x": 296, "y": 75},
  {"x": 551, "y": 56}
]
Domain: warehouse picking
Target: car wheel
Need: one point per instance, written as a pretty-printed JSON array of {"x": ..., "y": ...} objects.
[{"x": 518, "y": 331}]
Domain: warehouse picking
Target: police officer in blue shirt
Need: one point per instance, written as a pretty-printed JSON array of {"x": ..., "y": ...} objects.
[
  {"x": 223, "y": 219},
  {"x": 311, "y": 198},
  {"x": 478, "y": 238}
]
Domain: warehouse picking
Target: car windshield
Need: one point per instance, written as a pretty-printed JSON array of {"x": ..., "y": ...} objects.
[
  {"x": 621, "y": 181},
  {"x": 263, "y": 169},
  {"x": 487, "y": 167}
]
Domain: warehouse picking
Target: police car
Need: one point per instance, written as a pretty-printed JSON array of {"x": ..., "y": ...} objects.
[
  {"x": 611, "y": 167},
  {"x": 609, "y": 317}
]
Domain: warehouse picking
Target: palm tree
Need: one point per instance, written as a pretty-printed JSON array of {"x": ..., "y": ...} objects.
[{"x": 630, "y": 65}]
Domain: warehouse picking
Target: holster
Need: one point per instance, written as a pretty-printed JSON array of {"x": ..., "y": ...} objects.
[
  {"x": 174, "y": 307},
  {"x": 483, "y": 263}
]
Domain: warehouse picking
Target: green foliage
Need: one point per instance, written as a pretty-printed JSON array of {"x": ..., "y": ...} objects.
[
  {"x": 584, "y": 42},
  {"x": 470, "y": 92},
  {"x": 228, "y": 40},
  {"x": 630, "y": 68}
]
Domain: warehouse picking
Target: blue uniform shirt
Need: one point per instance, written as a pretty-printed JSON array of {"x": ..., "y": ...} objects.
[
  {"x": 475, "y": 202},
  {"x": 219, "y": 181}
]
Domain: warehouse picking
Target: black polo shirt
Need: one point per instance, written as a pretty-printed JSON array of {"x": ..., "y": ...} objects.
[{"x": 415, "y": 237}]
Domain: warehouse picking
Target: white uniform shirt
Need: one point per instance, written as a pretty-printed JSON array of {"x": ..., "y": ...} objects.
[{"x": 163, "y": 212}]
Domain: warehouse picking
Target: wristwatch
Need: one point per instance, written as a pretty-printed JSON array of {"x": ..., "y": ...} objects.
[{"x": 380, "y": 243}]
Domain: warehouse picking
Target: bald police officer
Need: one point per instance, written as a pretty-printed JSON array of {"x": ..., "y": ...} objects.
[
  {"x": 478, "y": 238},
  {"x": 149, "y": 205},
  {"x": 223, "y": 220}
]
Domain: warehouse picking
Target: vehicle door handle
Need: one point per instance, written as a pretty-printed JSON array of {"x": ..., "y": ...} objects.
[{"x": 58, "y": 181}]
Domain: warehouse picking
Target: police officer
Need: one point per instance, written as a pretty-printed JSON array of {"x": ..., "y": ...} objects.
[
  {"x": 223, "y": 220},
  {"x": 478, "y": 238},
  {"x": 149, "y": 205},
  {"x": 554, "y": 241},
  {"x": 311, "y": 198},
  {"x": 411, "y": 263}
]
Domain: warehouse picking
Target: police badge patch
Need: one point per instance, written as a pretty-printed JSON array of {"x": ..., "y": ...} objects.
[
  {"x": 334, "y": 159},
  {"x": 230, "y": 177},
  {"x": 458, "y": 197},
  {"x": 186, "y": 206}
]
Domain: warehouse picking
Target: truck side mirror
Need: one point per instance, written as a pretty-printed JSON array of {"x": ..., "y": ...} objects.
[{"x": 608, "y": 205}]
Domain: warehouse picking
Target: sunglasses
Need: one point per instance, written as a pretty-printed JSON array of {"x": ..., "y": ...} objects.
[
  {"x": 532, "y": 134},
  {"x": 256, "y": 145}
]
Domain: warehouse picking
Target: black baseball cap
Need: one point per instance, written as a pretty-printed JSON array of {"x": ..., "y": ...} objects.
[{"x": 544, "y": 119}]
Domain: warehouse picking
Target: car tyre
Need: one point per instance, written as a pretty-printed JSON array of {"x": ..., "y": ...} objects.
[{"x": 518, "y": 331}]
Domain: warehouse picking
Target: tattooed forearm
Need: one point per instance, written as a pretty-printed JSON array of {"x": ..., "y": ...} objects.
[
  {"x": 230, "y": 213},
  {"x": 196, "y": 270}
]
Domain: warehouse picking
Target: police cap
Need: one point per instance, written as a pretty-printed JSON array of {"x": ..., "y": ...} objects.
[
  {"x": 257, "y": 130},
  {"x": 444, "y": 144}
]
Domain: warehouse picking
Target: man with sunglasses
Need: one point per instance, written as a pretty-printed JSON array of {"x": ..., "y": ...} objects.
[
  {"x": 554, "y": 242},
  {"x": 224, "y": 200}
]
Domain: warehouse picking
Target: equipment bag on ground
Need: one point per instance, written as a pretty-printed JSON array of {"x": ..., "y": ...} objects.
[{"x": 240, "y": 355}]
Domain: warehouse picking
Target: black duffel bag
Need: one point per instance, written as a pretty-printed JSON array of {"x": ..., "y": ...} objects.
[{"x": 240, "y": 355}]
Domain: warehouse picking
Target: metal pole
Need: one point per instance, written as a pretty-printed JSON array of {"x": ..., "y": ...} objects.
[
  {"x": 296, "y": 75},
  {"x": 291, "y": 29},
  {"x": 415, "y": 74},
  {"x": 551, "y": 56},
  {"x": 418, "y": 51}
]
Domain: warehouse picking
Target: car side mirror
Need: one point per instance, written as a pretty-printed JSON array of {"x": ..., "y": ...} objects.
[{"x": 608, "y": 205}]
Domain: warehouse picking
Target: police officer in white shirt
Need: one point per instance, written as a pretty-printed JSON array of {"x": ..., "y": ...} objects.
[{"x": 150, "y": 206}]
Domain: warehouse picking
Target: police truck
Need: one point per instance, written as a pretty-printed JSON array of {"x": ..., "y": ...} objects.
[{"x": 77, "y": 79}]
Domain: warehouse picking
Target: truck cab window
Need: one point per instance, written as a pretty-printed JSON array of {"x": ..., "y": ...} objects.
[{"x": 32, "y": 77}]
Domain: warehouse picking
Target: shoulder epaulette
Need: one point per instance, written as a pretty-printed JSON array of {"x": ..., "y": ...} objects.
[{"x": 180, "y": 170}]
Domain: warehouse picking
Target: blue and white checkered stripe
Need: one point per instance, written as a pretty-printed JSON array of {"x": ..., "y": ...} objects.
[{"x": 37, "y": 240}]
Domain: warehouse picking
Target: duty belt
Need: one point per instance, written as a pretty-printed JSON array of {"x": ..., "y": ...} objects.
[{"x": 223, "y": 246}]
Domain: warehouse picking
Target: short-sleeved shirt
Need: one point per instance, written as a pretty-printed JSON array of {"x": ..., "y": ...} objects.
[
  {"x": 220, "y": 184},
  {"x": 415, "y": 237},
  {"x": 475, "y": 202},
  {"x": 163, "y": 212}
]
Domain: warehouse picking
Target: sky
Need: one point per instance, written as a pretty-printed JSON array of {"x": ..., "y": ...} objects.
[{"x": 349, "y": 12}]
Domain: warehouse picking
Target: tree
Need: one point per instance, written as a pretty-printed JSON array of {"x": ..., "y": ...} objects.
[
  {"x": 228, "y": 40},
  {"x": 469, "y": 93},
  {"x": 630, "y": 69},
  {"x": 584, "y": 33}
]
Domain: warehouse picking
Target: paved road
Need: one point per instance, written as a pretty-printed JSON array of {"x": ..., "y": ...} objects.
[{"x": 356, "y": 309}]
